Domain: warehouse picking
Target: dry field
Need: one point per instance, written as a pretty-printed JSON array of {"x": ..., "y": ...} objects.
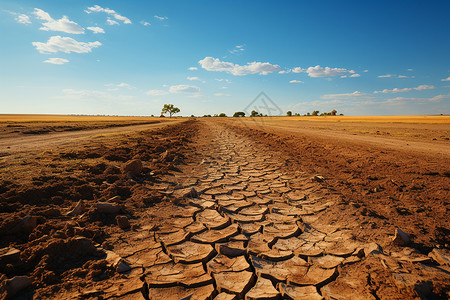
[
  {"x": 14, "y": 125},
  {"x": 225, "y": 208}
]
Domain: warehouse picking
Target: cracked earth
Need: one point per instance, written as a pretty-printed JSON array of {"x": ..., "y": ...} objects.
[{"x": 240, "y": 224}]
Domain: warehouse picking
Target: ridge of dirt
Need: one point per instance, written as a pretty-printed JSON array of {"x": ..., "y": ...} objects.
[
  {"x": 58, "y": 249},
  {"x": 387, "y": 188}
]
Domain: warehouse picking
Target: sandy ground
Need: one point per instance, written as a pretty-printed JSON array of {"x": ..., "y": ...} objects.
[{"x": 222, "y": 207}]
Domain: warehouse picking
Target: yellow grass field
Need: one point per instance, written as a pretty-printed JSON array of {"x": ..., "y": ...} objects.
[
  {"x": 8, "y": 118},
  {"x": 372, "y": 119}
]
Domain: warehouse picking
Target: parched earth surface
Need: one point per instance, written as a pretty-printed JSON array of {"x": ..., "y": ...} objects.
[{"x": 212, "y": 209}]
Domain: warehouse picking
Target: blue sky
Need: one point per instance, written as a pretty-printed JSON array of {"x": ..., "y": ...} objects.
[{"x": 206, "y": 57}]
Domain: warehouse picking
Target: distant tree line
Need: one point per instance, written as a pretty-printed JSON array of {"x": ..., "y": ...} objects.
[
  {"x": 171, "y": 110},
  {"x": 314, "y": 113}
]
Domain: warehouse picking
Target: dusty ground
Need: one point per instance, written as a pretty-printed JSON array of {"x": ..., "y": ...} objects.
[{"x": 225, "y": 207}]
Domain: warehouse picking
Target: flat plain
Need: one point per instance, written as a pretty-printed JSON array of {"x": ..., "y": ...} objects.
[{"x": 225, "y": 208}]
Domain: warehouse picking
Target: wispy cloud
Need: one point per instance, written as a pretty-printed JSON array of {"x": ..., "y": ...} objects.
[
  {"x": 214, "y": 64},
  {"x": 63, "y": 24},
  {"x": 446, "y": 79},
  {"x": 96, "y": 29},
  {"x": 437, "y": 98},
  {"x": 397, "y": 90},
  {"x": 157, "y": 92},
  {"x": 94, "y": 94},
  {"x": 160, "y": 18},
  {"x": 191, "y": 90},
  {"x": 66, "y": 45},
  {"x": 56, "y": 61},
  {"x": 125, "y": 85},
  {"x": 237, "y": 49},
  {"x": 223, "y": 80},
  {"x": 183, "y": 88},
  {"x": 222, "y": 95},
  {"x": 195, "y": 78},
  {"x": 111, "y": 22},
  {"x": 145, "y": 23},
  {"x": 354, "y": 95},
  {"x": 192, "y": 68},
  {"x": 296, "y": 81},
  {"x": 394, "y": 76},
  {"x": 97, "y": 8},
  {"x": 21, "y": 18}
]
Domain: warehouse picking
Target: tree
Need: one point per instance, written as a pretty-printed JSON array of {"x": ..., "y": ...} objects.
[
  {"x": 254, "y": 113},
  {"x": 239, "y": 114},
  {"x": 333, "y": 112},
  {"x": 315, "y": 113},
  {"x": 222, "y": 115},
  {"x": 289, "y": 113},
  {"x": 169, "y": 108}
]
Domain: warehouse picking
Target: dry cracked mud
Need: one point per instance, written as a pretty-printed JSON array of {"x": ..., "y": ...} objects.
[{"x": 240, "y": 224}]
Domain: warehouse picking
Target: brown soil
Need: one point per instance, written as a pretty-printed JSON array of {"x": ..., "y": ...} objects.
[{"x": 365, "y": 190}]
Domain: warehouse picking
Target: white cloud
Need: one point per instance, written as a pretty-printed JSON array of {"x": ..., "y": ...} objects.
[
  {"x": 160, "y": 18},
  {"x": 65, "y": 44},
  {"x": 145, "y": 23},
  {"x": 63, "y": 24},
  {"x": 354, "y": 95},
  {"x": 97, "y": 8},
  {"x": 56, "y": 61},
  {"x": 284, "y": 71},
  {"x": 446, "y": 79},
  {"x": 94, "y": 94},
  {"x": 182, "y": 88},
  {"x": 355, "y": 75},
  {"x": 224, "y": 80},
  {"x": 125, "y": 85},
  {"x": 365, "y": 71},
  {"x": 156, "y": 92},
  {"x": 214, "y": 64},
  {"x": 23, "y": 19},
  {"x": 237, "y": 49},
  {"x": 298, "y": 70},
  {"x": 192, "y": 68},
  {"x": 437, "y": 98},
  {"x": 221, "y": 94},
  {"x": 397, "y": 90},
  {"x": 395, "y": 76},
  {"x": 295, "y": 81},
  {"x": 111, "y": 22},
  {"x": 96, "y": 29},
  {"x": 194, "y": 78},
  {"x": 319, "y": 71},
  {"x": 424, "y": 87}
]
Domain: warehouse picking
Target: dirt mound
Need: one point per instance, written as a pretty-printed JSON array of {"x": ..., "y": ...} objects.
[{"x": 59, "y": 244}]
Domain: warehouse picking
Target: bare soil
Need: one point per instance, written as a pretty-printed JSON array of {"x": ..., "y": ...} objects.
[{"x": 341, "y": 195}]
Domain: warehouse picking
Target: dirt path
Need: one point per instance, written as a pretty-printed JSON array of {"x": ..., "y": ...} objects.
[
  {"x": 41, "y": 142},
  {"x": 252, "y": 230}
]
